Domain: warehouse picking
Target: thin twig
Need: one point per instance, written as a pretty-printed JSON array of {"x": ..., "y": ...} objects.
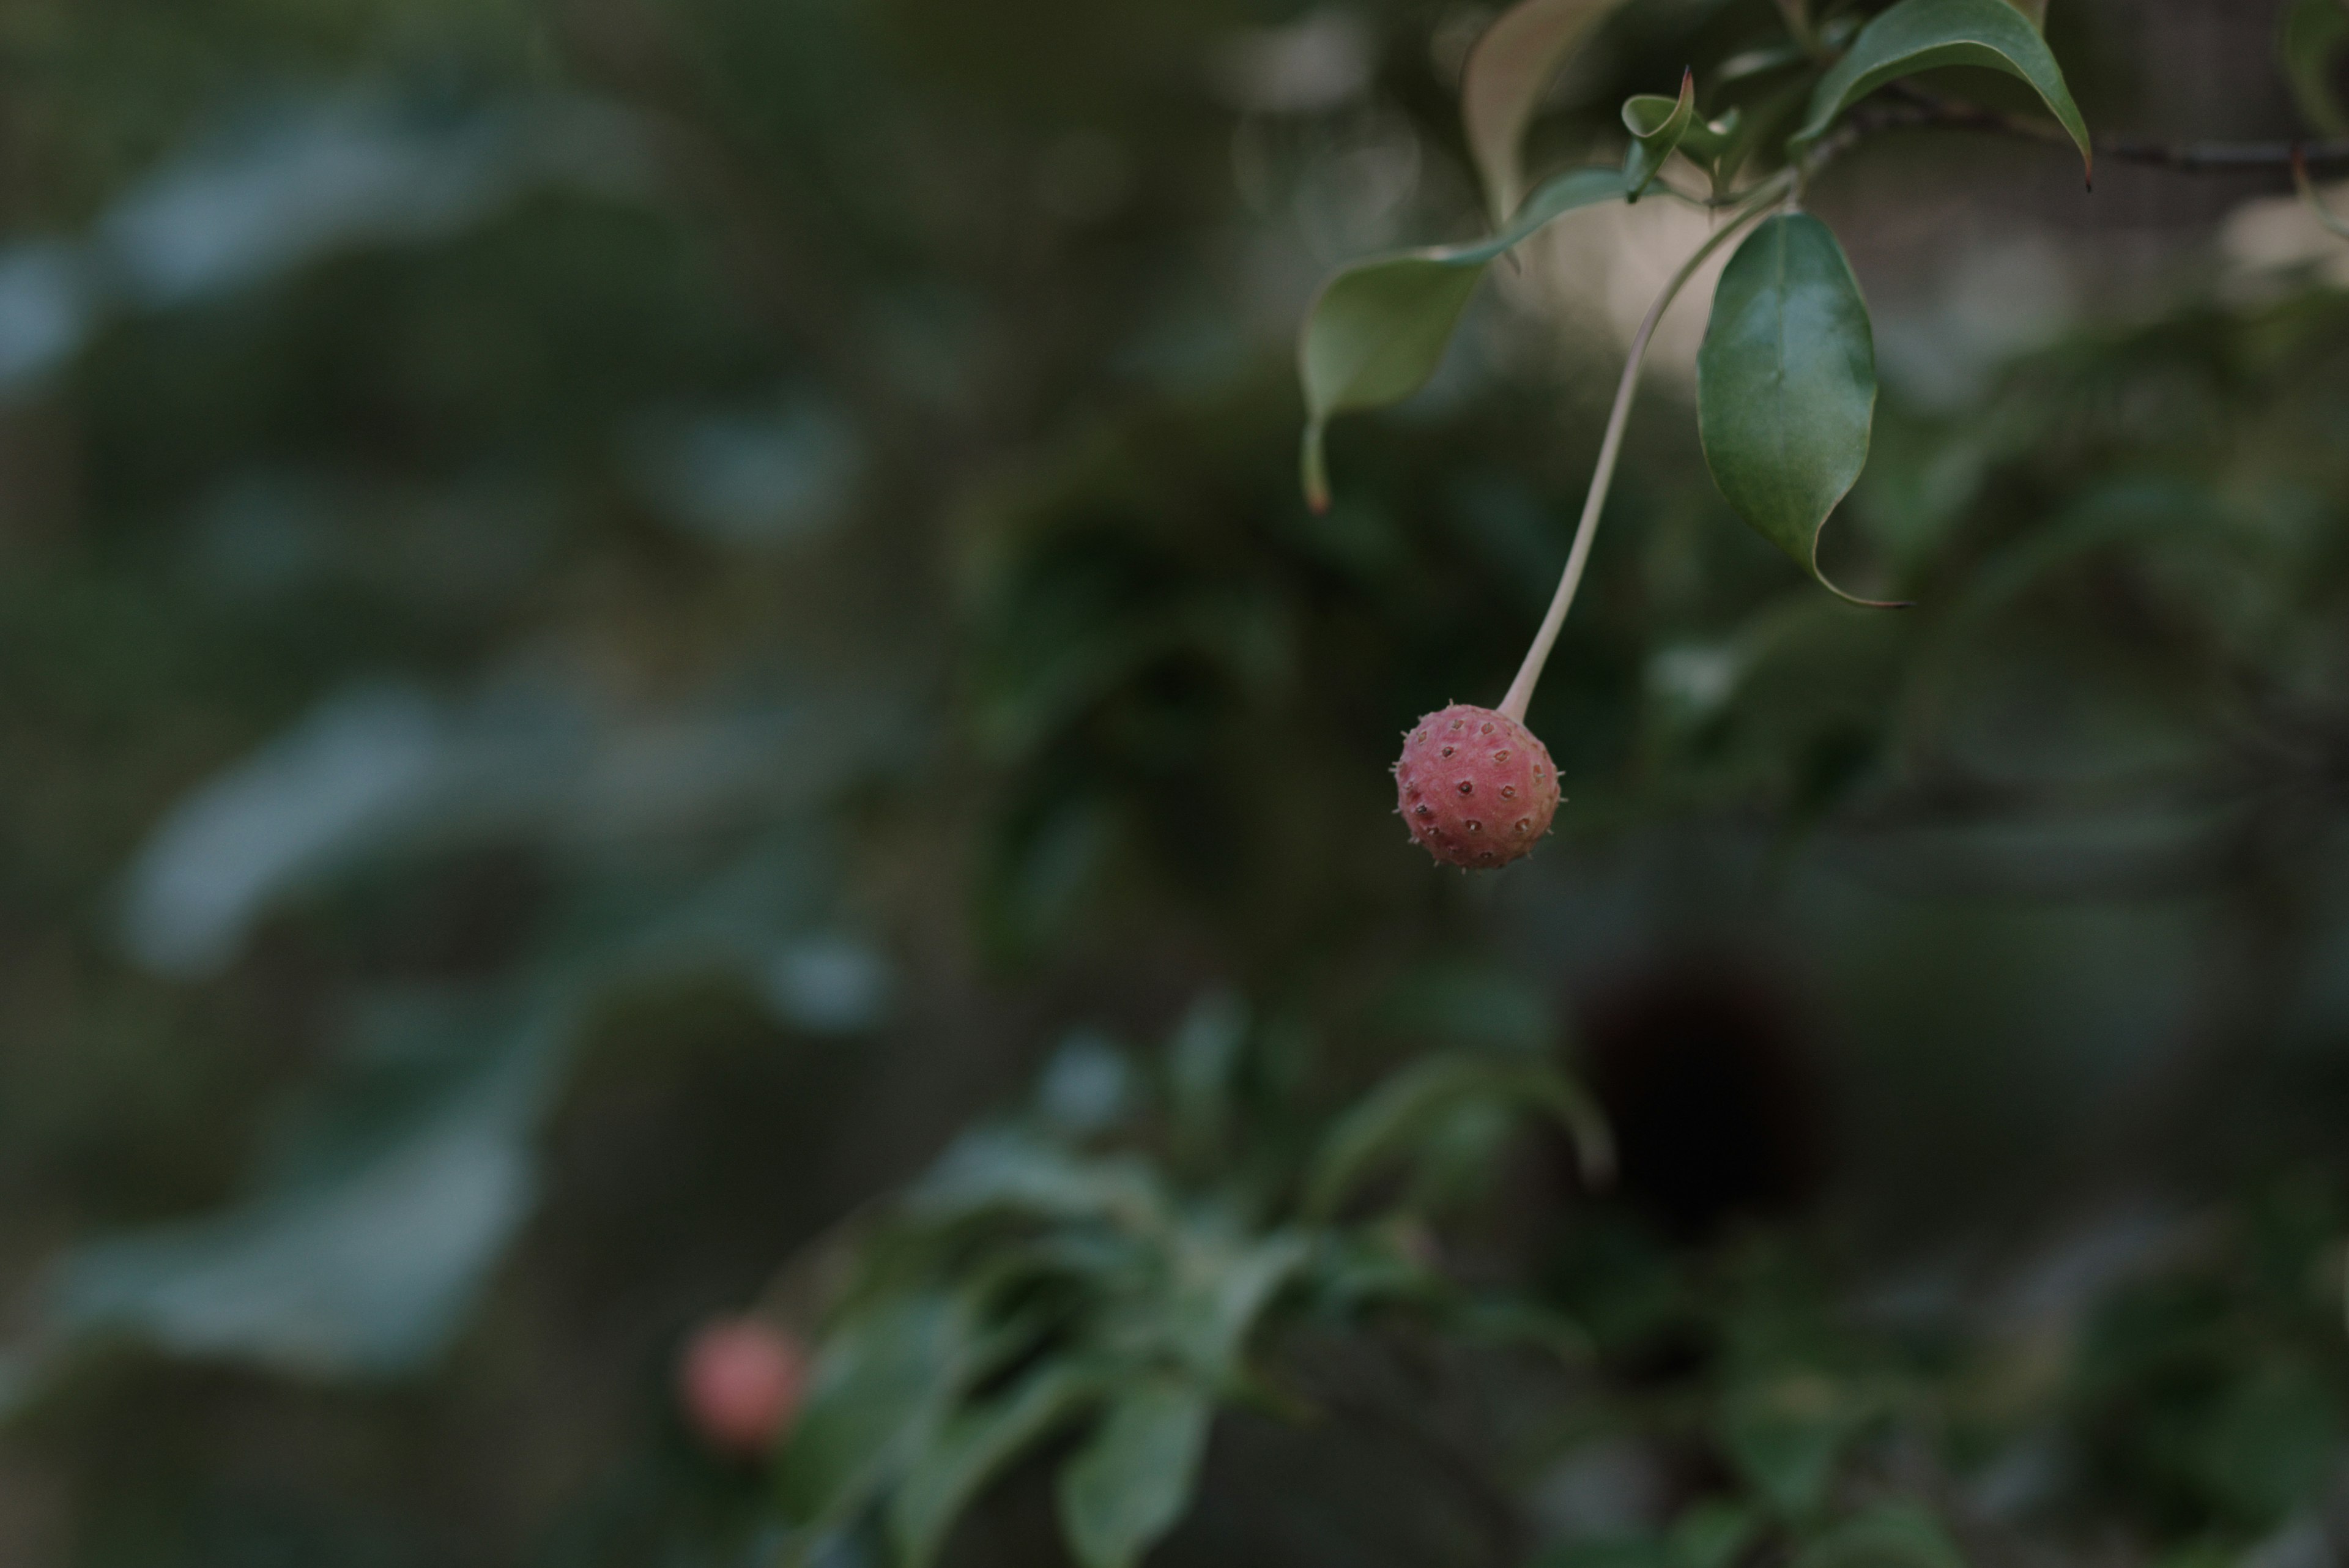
[
  {"x": 2186, "y": 157},
  {"x": 2225, "y": 157}
]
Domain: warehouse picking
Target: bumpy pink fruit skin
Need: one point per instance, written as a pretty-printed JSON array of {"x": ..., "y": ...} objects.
[
  {"x": 741, "y": 1384},
  {"x": 1474, "y": 786}
]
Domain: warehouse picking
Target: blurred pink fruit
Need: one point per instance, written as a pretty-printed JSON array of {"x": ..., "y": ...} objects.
[{"x": 741, "y": 1383}]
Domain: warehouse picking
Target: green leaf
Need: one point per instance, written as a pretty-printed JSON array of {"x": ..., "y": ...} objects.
[
  {"x": 2272, "y": 1441},
  {"x": 1379, "y": 1266},
  {"x": 1222, "y": 1286},
  {"x": 877, "y": 1385},
  {"x": 1885, "y": 1537},
  {"x": 1656, "y": 124},
  {"x": 1785, "y": 1434},
  {"x": 1924, "y": 35},
  {"x": 1005, "y": 1170},
  {"x": 1378, "y": 328},
  {"x": 1416, "y": 1103},
  {"x": 1712, "y": 144},
  {"x": 1713, "y": 1536},
  {"x": 1786, "y": 383},
  {"x": 1203, "y": 1065},
  {"x": 1130, "y": 1484},
  {"x": 2310, "y": 40},
  {"x": 975, "y": 1445},
  {"x": 1508, "y": 1320},
  {"x": 1503, "y": 82}
]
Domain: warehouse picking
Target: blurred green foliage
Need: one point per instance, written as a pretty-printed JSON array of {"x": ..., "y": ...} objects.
[{"x": 621, "y": 621}]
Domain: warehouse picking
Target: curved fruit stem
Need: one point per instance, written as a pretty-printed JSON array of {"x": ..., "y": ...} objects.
[{"x": 1521, "y": 690}]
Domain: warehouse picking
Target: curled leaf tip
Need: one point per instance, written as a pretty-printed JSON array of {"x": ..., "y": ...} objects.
[
  {"x": 1844, "y": 595},
  {"x": 1851, "y": 598}
]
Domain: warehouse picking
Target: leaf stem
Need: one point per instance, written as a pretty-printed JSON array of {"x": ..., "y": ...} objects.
[{"x": 1521, "y": 690}]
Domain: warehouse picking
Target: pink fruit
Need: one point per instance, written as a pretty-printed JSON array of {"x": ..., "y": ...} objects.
[
  {"x": 1474, "y": 786},
  {"x": 741, "y": 1384}
]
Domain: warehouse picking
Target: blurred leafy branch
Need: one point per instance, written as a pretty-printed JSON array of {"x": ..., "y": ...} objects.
[
  {"x": 1058, "y": 1286},
  {"x": 1031, "y": 1283}
]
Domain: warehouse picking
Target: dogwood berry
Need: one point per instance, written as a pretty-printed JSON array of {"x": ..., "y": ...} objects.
[{"x": 1474, "y": 786}]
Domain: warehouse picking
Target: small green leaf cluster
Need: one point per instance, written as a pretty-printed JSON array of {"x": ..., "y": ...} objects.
[
  {"x": 1101, "y": 1268},
  {"x": 2195, "y": 1397},
  {"x": 1786, "y": 380},
  {"x": 1082, "y": 1289}
]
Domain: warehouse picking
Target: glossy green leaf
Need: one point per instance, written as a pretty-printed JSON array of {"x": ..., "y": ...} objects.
[
  {"x": 1886, "y": 1537},
  {"x": 1503, "y": 82},
  {"x": 1130, "y": 1483},
  {"x": 974, "y": 1446},
  {"x": 2313, "y": 35},
  {"x": 1925, "y": 35},
  {"x": 877, "y": 1387},
  {"x": 2034, "y": 11},
  {"x": 1656, "y": 124},
  {"x": 1378, "y": 328},
  {"x": 1786, "y": 383},
  {"x": 1416, "y": 1102}
]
